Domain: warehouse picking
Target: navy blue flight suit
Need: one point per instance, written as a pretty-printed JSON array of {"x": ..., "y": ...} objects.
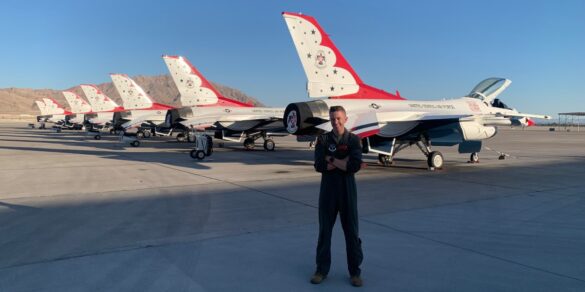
[{"x": 338, "y": 195}]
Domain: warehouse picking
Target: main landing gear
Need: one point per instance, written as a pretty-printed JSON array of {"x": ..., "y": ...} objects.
[
  {"x": 143, "y": 134},
  {"x": 134, "y": 138},
  {"x": 435, "y": 159},
  {"x": 250, "y": 142},
  {"x": 181, "y": 137}
]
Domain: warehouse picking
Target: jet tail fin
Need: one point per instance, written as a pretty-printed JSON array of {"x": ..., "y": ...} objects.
[
  {"x": 54, "y": 108},
  {"x": 98, "y": 100},
  {"x": 42, "y": 107},
  {"x": 195, "y": 90},
  {"x": 133, "y": 95},
  {"x": 78, "y": 105},
  {"x": 328, "y": 72}
]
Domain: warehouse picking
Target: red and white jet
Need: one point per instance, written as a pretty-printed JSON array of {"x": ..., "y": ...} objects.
[
  {"x": 144, "y": 112},
  {"x": 204, "y": 108},
  {"x": 107, "y": 110},
  {"x": 51, "y": 111},
  {"x": 79, "y": 107},
  {"x": 386, "y": 119}
]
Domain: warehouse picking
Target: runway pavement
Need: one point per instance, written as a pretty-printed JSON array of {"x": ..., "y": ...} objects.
[{"x": 83, "y": 215}]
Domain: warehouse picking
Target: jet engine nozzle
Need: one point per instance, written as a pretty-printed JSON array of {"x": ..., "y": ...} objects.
[
  {"x": 174, "y": 117},
  {"x": 120, "y": 118},
  {"x": 300, "y": 118}
]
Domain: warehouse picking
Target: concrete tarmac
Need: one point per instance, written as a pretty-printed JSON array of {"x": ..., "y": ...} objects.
[{"x": 83, "y": 215}]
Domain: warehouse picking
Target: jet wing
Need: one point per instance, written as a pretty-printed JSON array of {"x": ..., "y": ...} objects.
[
  {"x": 522, "y": 115},
  {"x": 135, "y": 123},
  {"x": 144, "y": 119},
  {"x": 230, "y": 118},
  {"x": 200, "y": 123},
  {"x": 368, "y": 123},
  {"x": 246, "y": 117}
]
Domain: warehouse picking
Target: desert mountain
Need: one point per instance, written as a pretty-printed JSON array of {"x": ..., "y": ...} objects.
[{"x": 161, "y": 88}]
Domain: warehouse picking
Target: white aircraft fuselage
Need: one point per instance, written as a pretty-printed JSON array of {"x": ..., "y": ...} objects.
[
  {"x": 232, "y": 118},
  {"x": 477, "y": 120}
]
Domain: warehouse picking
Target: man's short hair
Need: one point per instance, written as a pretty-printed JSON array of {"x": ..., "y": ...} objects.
[{"x": 337, "y": 108}]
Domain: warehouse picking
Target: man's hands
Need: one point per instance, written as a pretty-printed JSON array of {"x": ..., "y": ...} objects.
[
  {"x": 337, "y": 163},
  {"x": 330, "y": 166}
]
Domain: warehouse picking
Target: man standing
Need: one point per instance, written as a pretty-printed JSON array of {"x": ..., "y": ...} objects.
[{"x": 338, "y": 156}]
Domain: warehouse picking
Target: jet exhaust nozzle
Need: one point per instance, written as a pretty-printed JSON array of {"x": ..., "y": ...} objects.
[
  {"x": 174, "y": 117},
  {"x": 301, "y": 118},
  {"x": 119, "y": 119}
]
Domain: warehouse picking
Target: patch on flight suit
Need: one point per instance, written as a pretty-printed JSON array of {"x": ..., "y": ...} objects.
[{"x": 332, "y": 148}]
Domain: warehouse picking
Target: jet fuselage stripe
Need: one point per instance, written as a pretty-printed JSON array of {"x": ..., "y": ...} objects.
[{"x": 363, "y": 126}]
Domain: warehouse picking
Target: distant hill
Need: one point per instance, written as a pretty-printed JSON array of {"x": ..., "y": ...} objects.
[{"x": 15, "y": 101}]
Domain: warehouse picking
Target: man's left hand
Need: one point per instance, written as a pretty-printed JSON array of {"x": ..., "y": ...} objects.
[{"x": 330, "y": 166}]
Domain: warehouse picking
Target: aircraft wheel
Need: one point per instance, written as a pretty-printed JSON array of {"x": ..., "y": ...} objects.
[
  {"x": 112, "y": 131},
  {"x": 97, "y": 137},
  {"x": 249, "y": 144},
  {"x": 312, "y": 144},
  {"x": 147, "y": 134},
  {"x": 474, "y": 157},
  {"x": 135, "y": 143},
  {"x": 435, "y": 160},
  {"x": 181, "y": 137},
  {"x": 269, "y": 145},
  {"x": 197, "y": 154},
  {"x": 385, "y": 160}
]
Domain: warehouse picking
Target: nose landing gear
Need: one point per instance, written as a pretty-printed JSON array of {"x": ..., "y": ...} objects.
[{"x": 474, "y": 157}]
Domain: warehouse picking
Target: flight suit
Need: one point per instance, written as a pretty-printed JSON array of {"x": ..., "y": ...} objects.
[{"x": 338, "y": 194}]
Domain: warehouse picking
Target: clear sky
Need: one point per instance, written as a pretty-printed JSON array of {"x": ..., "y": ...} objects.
[{"x": 425, "y": 49}]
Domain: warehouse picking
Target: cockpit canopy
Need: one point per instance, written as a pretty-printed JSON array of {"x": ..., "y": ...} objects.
[{"x": 489, "y": 89}]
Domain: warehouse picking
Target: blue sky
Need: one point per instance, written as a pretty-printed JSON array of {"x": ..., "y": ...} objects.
[{"x": 426, "y": 49}]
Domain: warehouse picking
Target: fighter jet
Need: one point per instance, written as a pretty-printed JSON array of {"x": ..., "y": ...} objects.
[
  {"x": 81, "y": 110},
  {"x": 58, "y": 114},
  {"x": 204, "y": 108},
  {"x": 108, "y": 112},
  {"x": 144, "y": 113},
  {"x": 46, "y": 115},
  {"x": 383, "y": 119}
]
